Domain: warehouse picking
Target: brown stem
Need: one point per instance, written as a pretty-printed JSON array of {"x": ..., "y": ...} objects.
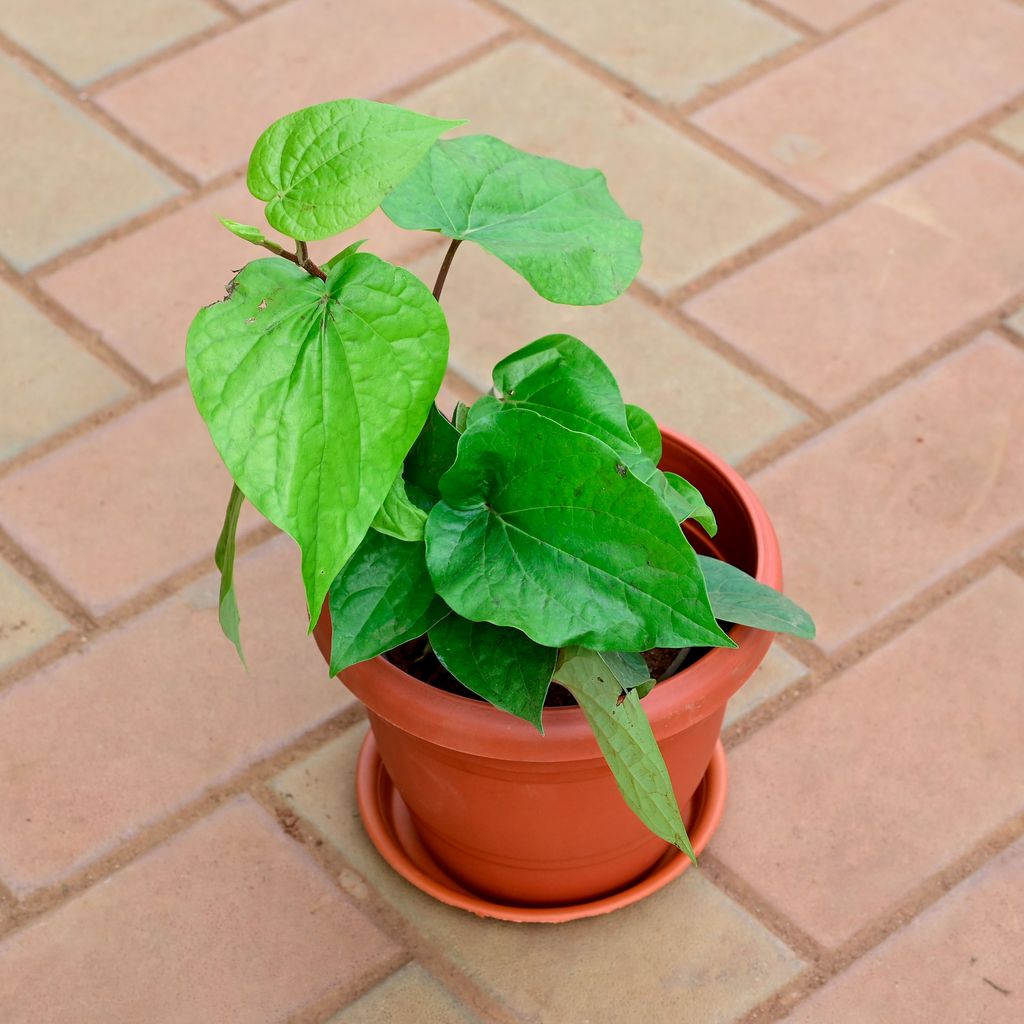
[
  {"x": 443, "y": 272},
  {"x": 300, "y": 258},
  {"x": 301, "y": 253}
]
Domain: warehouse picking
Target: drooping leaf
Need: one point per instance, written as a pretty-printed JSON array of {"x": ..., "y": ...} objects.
[
  {"x": 624, "y": 735},
  {"x": 737, "y": 597},
  {"x": 398, "y": 516},
  {"x": 246, "y": 232},
  {"x": 224, "y": 559},
  {"x": 644, "y": 428},
  {"x": 555, "y": 224},
  {"x": 430, "y": 457},
  {"x": 544, "y": 529},
  {"x": 380, "y": 599},
  {"x": 313, "y": 393},
  {"x": 322, "y": 169},
  {"x": 688, "y": 503},
  {"x": 502, "y": 665}
]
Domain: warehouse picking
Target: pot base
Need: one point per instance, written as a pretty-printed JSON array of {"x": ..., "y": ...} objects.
[{"x": 390, "y": 828}]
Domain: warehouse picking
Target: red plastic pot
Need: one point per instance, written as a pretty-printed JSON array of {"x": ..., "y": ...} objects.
[{"x": 527, "y": 819}]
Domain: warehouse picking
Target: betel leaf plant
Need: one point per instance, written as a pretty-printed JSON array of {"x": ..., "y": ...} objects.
[{"x": 532, "y": 536}]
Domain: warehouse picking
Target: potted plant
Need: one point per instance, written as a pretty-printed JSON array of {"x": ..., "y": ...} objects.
[{"x": 502, "y": 589}]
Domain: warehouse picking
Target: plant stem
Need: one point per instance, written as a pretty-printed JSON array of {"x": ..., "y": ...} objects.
[
  {"x": 300, "y": 257},
  {"x": 443, "y": 272},
  {"x": 301, "y": 253}
]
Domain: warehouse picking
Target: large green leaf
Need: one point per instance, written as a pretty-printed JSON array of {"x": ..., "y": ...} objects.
[
  {"x": 502, "y": 665},
  {"x": 544, "y": 529},
  {"x": 553, "y": 223},
  {"x": 560, "y": 377},
  {"x": 314, "y": 391},
  {"x": 737, "y": 597},
  {"x": 398, "y": 516},
  {"x": 613, "y": 709},
  {"x": 322, "y": 169},
  {"x": 381, "y": 598},
  {"x": 224, "y": 559}
]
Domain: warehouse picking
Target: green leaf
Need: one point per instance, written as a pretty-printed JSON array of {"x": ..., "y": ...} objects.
[
  {"x": 481, "y": 409},
  {"x": 644, "y": 428},
  {"x": 430, "y": 457},
  {"x": 344, "y": 254},
  {"x": 398, "y": 516},
  {"x": 313, "y": 393},
  {"x": 553, "y": 223},
  {"x": 460, "y": 417},
  {"x": 561, "y": 378},
  {"x": 737, "y": 597},
  {"x": 246, "y": 232},
  {"x": 380, "y": 599},
  {"x": 224, "y": 558},
  {"x": 543, "y": 529},
  {"x": 322, "y": 169},
  {"x": 624, "y": 735},
  {"x": 687, "y": 502},
  {"x": 502, "y": 665}
]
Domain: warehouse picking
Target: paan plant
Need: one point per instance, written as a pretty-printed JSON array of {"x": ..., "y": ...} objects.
[{"x": 530, "y": 538}]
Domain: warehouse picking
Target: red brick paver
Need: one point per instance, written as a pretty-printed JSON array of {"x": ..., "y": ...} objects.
[
  {"x": 832, "y": 195},
  {"x": 229, "y": 922},
  {"x": 197, "y": 110},
  {"x": 959, "y": 961},
  {"x": 150, "y": 717},
  {"x": 819, "y": 819},
  {"x": 847, "y": 112}
]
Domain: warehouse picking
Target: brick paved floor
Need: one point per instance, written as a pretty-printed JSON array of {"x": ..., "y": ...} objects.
[{"x": 833, "y": 297}]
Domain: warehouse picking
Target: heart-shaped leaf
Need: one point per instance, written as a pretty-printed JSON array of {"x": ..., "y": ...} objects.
[
  {"x": 382, "y": 598},
  {"x": 737, "y": 597},
  {"x": 502, "y": 665},
  {"x": 613, "y": 709},
  {"x": 555, "y": 224},
  {"x": 224, "y": 559},
  {"x": 544, "y": 529},
  {"x": 313, "y": 393},
  {"x": 322, "y": 169}
]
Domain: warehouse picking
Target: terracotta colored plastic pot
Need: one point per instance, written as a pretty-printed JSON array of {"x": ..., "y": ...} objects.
[{"x": 528, "y": 819}]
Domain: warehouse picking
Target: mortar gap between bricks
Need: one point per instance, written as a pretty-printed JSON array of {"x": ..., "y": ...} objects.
[
  {"x": 96, "y": 114},
  {"x": 362, "y": 893}
]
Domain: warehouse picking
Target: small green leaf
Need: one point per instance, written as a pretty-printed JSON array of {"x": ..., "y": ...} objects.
[
  {"x": 737, "y": 597},
  {"x": 322, "y": 169},
  {"x": 398, "y": 517},
  {"x": 688, "y": 503},
  {"x": 481, "y": 409},
  {"x": 430, "y": 457},
  {"x": 344, "y": 254},
  {"x": 380, "y": 599},
  {"x": 561, "y": 378},
  {"x": 460, "y": 417},
  {"x": 555, "y": 224},
  {"x": 502, "y": 665},
  {"x": 314, "y": 392},
  {"x": 246, "y": 232},
  {"x": 644, "y": 428},
  {"x": 224, "y": 558},
  {"x": 543, "y": 529},
  {"x": 624, "y": 735}
]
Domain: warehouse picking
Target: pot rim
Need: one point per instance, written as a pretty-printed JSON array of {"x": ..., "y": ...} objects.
[{"x": 475, "y": 726}]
